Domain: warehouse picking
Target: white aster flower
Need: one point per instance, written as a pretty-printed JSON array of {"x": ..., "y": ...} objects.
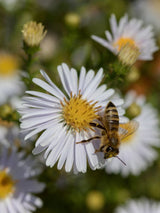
[
  {"x": 10, "y": 133},
  {"x": 139, "y": 206},
  {"x": 65, "y": 118},
  {"x": 10, "y": 84},
  {"x": 137, "y": 150},
  {"x": 148, "y": 10},
  {"x": 3, "y": 133},
  {"x": 5, "y": 127},
  {"x": 131, "y": 34},
  {"x": 11, "y": 136},
  {"x": 12, "y": 5},
  {"x": 18, "y": 183}
]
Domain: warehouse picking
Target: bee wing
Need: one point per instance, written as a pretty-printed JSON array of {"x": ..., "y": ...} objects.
[{"x": 127, "y": 129}]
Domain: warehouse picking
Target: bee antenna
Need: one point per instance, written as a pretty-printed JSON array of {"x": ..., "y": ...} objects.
[{"x": 120, "y": 160}]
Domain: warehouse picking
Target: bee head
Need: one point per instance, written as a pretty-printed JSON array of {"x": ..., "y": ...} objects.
[{"x": 110, "y": 152}]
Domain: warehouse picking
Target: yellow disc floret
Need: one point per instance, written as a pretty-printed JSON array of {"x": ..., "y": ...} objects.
[
  {"x": 8, "y": 65},
  {"x": 6, "y": 184},
  {"x": 33, "y": 33},
  {"x": 121, "y": 42},
  {"x": 78, "y": 112}
]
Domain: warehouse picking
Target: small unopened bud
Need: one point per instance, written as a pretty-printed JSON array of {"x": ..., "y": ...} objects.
[
  {"x": 5, "y": 110},
  {"x": 133, "y": 110},
  {"x": 133, "y": 75},
  {"x": 33, "y": 33},
  {"x": 128, "y": 54},
  {"x": 72, "y": 19}
]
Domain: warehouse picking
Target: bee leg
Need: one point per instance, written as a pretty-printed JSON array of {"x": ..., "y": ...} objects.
[
  {"x": 85, "y": 141},
  {"x": 97, "y": 125}
]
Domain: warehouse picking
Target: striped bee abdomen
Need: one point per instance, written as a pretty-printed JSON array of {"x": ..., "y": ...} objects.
[{"x": 112, "y": 118}]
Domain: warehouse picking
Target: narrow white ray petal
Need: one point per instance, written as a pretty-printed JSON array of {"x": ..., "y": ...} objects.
[
  {"x": 10, "y": 206},
  {"x": 58, "y": 133},
  {"x": 48, "y": 88},
  {"x": 82, "y": 79},
  {"x": 122, "y": 24},
  {"x": 88, "y": 79},
  {"x": 70, "y": 156},
  {"x": 58, "y": 91},
  {"x": 109, "y": 36},
  {"x": 64, "y": 74},
  {"x": 74, "y": 81},
  {"x": 67, "y": 76},
  {"x": 45, "y": 136},
  {"x": 3, "y": 207},
  {"x": 80, "y": 155},
  {"x": 36, "y": 113},
  {"x": 35, "y": 101},
  {"x": 55, "y": 153},
  {"x": 103, "y": 96},
  {"x": 103, "y": 42},
  {"x": 19, "y": 206},
  {"x": 94, "y": 84},
  {"x": 64, "y": 153},
  {"x": 113, "y": 24},
  {"x": 43, "y": 96},
  {"x": 92, "y": 157},
  {"x": 37, "y": 150},
  {"x": 35, "y": 123},
  {"x": 60, "y": 137},
  {"x": 38, "y": 129}
]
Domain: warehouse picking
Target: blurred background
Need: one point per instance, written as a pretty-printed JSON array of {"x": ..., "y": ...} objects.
[{"x": 69, "y": 26}]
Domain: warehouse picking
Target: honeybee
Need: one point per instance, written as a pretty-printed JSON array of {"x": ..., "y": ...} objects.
[{"x": 112, "y": 132}]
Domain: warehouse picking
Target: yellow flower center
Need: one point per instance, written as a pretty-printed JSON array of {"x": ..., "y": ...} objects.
[
  {"x": 128, "y": 52},
  {"x": 8, "y": 65},
  {"x": 78, "y": 112},
  {"x": 123, "y": 42},
  {"x": 6, "y": 184}
]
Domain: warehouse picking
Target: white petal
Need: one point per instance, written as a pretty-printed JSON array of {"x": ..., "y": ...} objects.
[
  {"x": 70, "y": 156},
  {"x": 80, "y": 155},
  {"x": 94, "y": 84},
  {"x": 58, "y": 91},
  {"x": 44, "y": 96},
  {"x": 48, "y": 88},
  {"x": 104, "y": 43},
  {"x": 65, "y": 76}
]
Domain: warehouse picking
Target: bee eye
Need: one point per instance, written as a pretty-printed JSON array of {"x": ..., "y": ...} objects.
[{"x": 109, "y": 148}]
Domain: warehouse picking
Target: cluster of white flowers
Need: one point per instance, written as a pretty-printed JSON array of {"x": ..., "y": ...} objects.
[
  {"x": 129, "y": 33},
  {"x": 17, "y": 182},
  {"x": 137, "y": 150},
  {"x": 65, "y": 118},
  {"x": 62, "y": 121},
  {"x": 142, "y": 205}
]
